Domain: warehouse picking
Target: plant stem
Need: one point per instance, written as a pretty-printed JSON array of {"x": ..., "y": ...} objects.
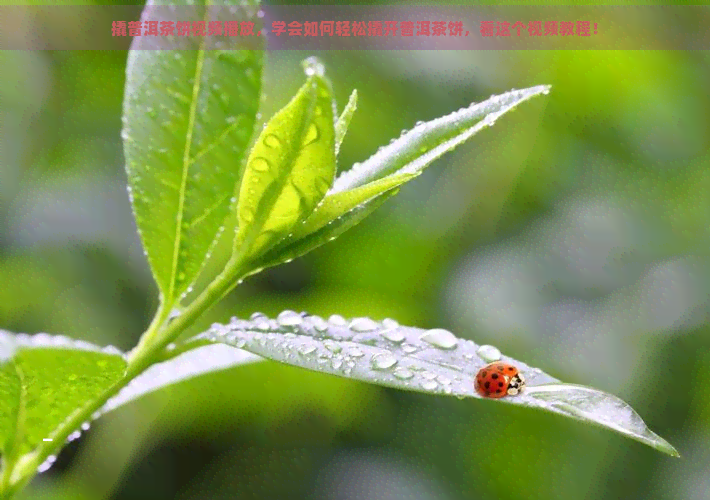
[{"x": 148, "y": 352}]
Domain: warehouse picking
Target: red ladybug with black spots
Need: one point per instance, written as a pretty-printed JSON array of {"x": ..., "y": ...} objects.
[{"x": 499, "y": 379}]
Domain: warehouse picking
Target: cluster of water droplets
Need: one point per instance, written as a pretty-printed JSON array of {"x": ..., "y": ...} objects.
[{"x": 383, "y": 352}]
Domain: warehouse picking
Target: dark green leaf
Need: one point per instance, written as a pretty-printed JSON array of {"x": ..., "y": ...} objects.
[
  {"x": 43, "y": 380},
  {"x": 188, "y": 118}
]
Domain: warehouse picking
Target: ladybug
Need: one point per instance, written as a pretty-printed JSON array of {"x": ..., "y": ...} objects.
[{"x": 499, "y": 379}]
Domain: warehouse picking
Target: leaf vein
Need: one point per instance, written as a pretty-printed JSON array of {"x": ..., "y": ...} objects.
[
  {"x": 215, "y": 143},
  {"x": 186, "y": 160}
]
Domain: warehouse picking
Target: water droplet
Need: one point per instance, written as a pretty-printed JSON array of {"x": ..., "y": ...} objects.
[
  {"x": 383, "y": 361},
  {"x": 311, "y": 135},
  {"x": 305, "y": 350},
  {"x": 263, "y": 325},
  {"x": 363, "y": 325},
  {"x": 356, "y": 352},
  {"x": 429, "y": 385},
  {"x": 393, "y": 335},
  {"x": 438, "y": 337},
  {"x": 337, "y": 320},
  {"x": 259, "y": 164},
  {"x": 257, "y": 315},
  {"x": 47, "y": 463},
  {"x": 443, "y": 380},
  {"x": 403, "y": 373},
  {"x": 390, "y": 323},
  {"x": 272, "y": 141},
  {"x": 289, "y": 318},
  {"x": 409, "y": 348},
  {"x": 319, "y": 323},
  {"x": 332, "y": 346},
  {"x": 488, "y": 353},
  {"x": 336, "y": 364},
  {"x": 313, "y": 66},
  {"x": 85, "y": 426},
  {"x": 428, "y": 375}
]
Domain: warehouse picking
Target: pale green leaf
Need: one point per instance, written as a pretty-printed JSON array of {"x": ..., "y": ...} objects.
[
  {"x": 426, "y": 142},
  {"x": 289, "y": 170},
  {"x": 189, "y": 113},
  {"x": 338, "y": 204},
  {"x": 428, "y": 361},
  {"x": 341, "y": 126},
  {"x": 291, "y": 248}
]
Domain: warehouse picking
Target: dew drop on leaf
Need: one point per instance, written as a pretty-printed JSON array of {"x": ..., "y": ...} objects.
[
  {"x": 489, "y": 353},
  {"x": 289, "y": 318},
  {"x": 306, "y": 350},
  {"x": 259, "y": 164},
  {"x": 393, "y": 335},
  {"x": 429, "y": 385},
  {"x": 363, "y": 325},
  {"x": 313, "y": 66},
  {"x": 319, "y": 323},
  {"x": 438, "y": 337},
  {"x": 337, "y": 320},
  {"x": 403, "y": 373},
  {"x": 311, "y": 135},
  {"x": 356, "y": 353},
  {"x": 383, "y": 361},
  {"x": 332, "y": 346},
  {"x": 390, "y": 323},
  {"x": 272, "y": 141}
]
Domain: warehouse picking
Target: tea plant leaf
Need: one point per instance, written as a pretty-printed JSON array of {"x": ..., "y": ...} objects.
[
  {"x": 289, "y": 170},
  {"x": 292, "y": 247},
  {"x": 43, "y": 380},
  {"x": 426, "y": 142},
  {"x": 183, "y": 366},
  {"x": 189, "y": 112},
  {"x": 338, "y": 204},
  {"x": 429, "y": 361},
  {"x": 341, "y": 126}
]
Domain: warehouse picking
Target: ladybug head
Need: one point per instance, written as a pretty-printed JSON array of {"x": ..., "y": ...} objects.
[{"x": 517, "y": 382}]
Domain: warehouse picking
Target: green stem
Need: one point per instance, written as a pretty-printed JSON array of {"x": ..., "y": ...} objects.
[{"x": 150, "y": 350}]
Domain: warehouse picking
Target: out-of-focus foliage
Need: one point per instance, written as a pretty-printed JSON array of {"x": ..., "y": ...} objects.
[{"x": 573, "y": 235}]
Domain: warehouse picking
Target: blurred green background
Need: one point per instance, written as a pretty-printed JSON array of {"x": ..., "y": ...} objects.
[{"x": 573, "y": 235}]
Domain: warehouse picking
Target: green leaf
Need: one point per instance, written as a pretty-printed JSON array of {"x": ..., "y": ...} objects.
[
  {"x": 43, "y": 380},
  {"x": 289, "y": 170},
  {"x": 189, "y": 113},
  {"x": 429, "y": 361},
  {"x": 341, "y": 126},
  {"x": 338, "y": 204},
  {"x": 183, "y": 364},
  {"x": 426, "y": 142},
  {"x": 292, "y": 248}
]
